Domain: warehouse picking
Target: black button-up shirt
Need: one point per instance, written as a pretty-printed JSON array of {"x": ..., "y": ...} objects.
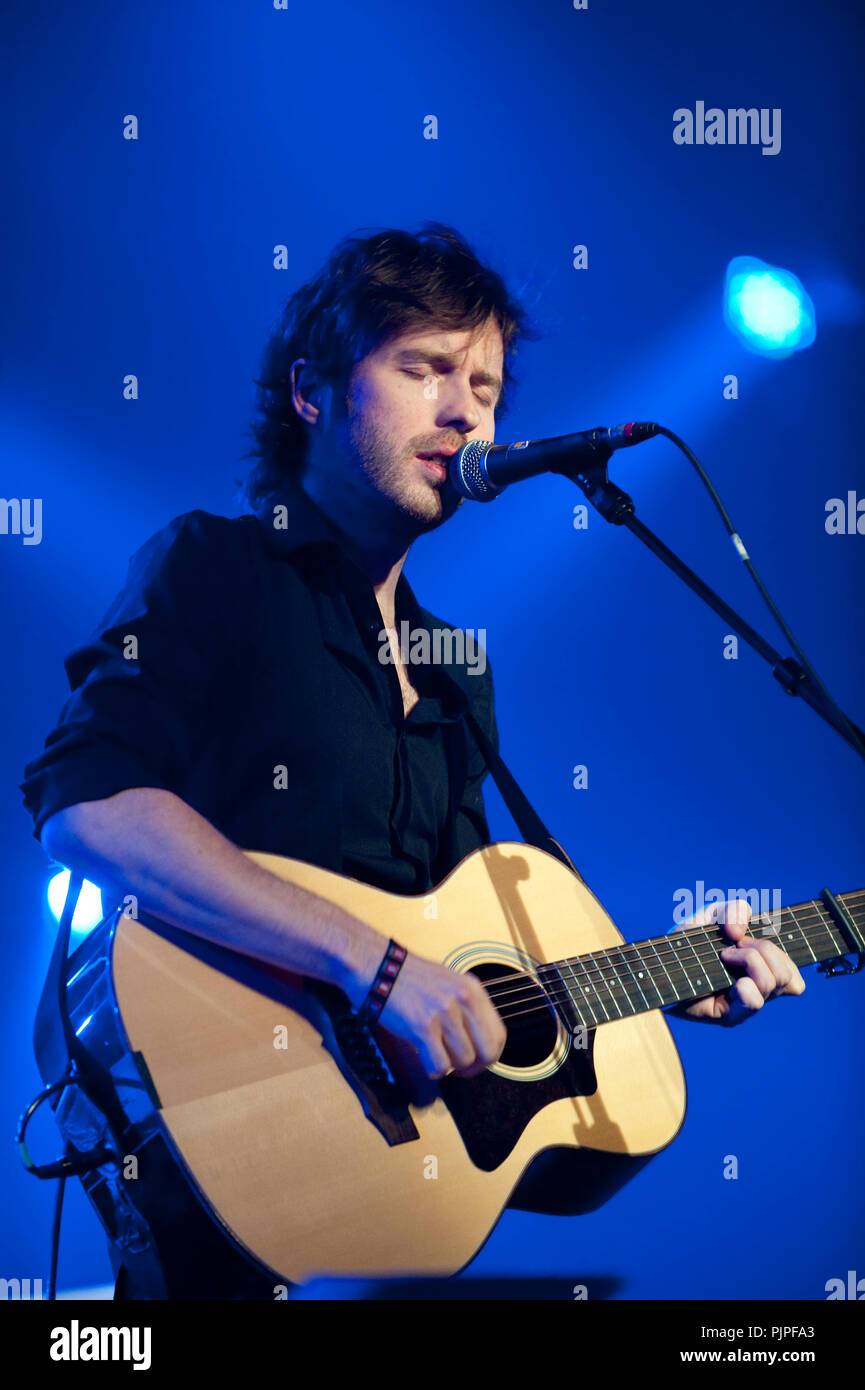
[{"x": 239, "y": 668}]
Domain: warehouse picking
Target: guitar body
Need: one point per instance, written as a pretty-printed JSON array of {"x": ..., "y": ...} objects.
[{"x": 305, "y": 1164}]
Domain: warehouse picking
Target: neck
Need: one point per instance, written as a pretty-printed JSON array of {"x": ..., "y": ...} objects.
[
  {"x": 686, "y": 965},
  {"x": 376, "y": 537}
]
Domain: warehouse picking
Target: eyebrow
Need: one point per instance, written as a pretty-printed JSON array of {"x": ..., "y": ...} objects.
[{"x": 436, "y": 356}]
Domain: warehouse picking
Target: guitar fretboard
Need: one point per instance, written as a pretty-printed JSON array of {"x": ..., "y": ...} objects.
[{"x": 685, "y": 965}]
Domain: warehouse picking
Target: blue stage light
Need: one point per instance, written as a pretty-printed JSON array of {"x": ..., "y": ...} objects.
[
  {"x": 768, "y": 308},
  {"x": 88, "y": 912}
]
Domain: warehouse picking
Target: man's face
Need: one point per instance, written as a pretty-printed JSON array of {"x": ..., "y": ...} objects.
[{"x": 420, "y": 392}]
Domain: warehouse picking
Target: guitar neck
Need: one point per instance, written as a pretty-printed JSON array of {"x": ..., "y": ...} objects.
[{"x": 686, "y": 965}]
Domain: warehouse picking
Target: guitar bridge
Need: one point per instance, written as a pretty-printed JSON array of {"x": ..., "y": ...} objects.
[{"x": 362, "y": 1063}]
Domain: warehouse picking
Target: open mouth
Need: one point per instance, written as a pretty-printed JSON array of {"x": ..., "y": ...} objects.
[{"x": 437, "y": 464}]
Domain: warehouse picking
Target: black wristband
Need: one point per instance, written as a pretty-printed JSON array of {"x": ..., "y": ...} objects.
[{"x": 391, "y": 964}]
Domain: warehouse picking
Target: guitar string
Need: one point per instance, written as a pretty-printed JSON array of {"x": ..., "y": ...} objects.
[
  {"x": 554, "y": 998},
  {"x": 607, "y": 970},
  {"x": 672, "y": 948},
  {"x": 614, "y": 983},
  {"x": 591, "y": 1014},
  {"x": 551, "y": 997},
  {"x": 818, "y": 917},
  {"x": 568, "y": 997},
  {"x": 608, "y": 981}
]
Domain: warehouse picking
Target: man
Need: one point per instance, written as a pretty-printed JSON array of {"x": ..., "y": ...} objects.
[{"x": 235, "y": 697}]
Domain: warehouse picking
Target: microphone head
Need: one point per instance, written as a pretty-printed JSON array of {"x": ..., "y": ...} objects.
[{"x": 468, "y": 475}]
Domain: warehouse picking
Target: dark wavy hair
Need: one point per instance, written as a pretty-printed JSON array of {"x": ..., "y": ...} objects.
[{"x": 370, "y": 288}]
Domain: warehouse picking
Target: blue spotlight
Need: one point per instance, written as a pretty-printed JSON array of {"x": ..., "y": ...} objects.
[
  {"x": 88, "y": 912},
  {"x": 768, "y": 308}
]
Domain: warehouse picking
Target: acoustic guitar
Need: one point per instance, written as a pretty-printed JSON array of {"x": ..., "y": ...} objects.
[{"x": 250, "y": 1115}]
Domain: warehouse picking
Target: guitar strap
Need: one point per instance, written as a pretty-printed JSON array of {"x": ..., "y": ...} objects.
[
  {"x": 526, "y": 818},
  {"x": 54, "y": 1043}
]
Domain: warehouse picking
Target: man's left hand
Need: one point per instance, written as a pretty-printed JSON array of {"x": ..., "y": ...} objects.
[{"x": 768, "y": 972}]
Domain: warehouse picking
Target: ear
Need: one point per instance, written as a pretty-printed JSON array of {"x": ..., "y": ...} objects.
[{"x": 310, "y": 395}]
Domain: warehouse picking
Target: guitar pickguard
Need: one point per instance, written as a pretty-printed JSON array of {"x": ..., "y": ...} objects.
[{"x": 492, "y": 1111}]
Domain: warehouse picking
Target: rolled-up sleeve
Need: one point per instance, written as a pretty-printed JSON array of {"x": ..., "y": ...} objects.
[{"x": 145, "y": 686}]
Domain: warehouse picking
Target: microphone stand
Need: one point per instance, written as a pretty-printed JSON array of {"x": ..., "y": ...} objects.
[{"x": 617, "y": 507}]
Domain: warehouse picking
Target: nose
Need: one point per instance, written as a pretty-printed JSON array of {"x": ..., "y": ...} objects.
[{"x": 457, "y": 406}]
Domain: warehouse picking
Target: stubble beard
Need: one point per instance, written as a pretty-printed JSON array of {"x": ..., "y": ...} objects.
[{"x": 422, "y": 503}]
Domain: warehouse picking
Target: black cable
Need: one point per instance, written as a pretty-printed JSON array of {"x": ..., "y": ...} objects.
[
  {"x": 55, "y": 1239},
  {"x": 74, "y": 1162},
  {"x": 852, "y": 732}
]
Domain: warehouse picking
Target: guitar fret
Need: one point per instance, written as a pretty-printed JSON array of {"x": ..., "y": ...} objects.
[
  {"x": 780, "y": 935},
  {"x": 646, "y": 974},
  {"x": 700, "y": 981},
  {"x": 636, "y": 977},
  {"x": 592, "y": 984},
  {"x": 598, "y": 978},
  {"x": 573, "y": 996},
  {"x": 681, "y": 946},
  {"x": 583, "y": 991},
  {"x": 856, "y": 914},
  {"x": 714, "y": 975},
  {"x": 636, "y": 1006},
  {"x": 607, "y": 983},
  {"x": 667, "y": 973},
  {"x": 821, "y": 912}
]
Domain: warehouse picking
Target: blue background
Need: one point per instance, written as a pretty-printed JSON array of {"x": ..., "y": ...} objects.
[{"x": 260, "y": 127}]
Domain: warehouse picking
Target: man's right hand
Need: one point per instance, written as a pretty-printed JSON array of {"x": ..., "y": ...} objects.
[{"x": 446, "y": 1016}]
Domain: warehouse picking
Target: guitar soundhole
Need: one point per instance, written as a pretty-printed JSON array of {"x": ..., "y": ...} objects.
[{"x": 530, "y": 1019}]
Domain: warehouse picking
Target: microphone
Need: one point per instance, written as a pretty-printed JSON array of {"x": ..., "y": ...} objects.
[{"x": 481, "y": 470}]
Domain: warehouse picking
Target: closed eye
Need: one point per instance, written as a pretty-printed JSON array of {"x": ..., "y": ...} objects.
[{"x": 422, "y": 376}]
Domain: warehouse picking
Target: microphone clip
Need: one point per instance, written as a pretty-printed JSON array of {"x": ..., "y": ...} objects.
[{"x": 613, "y": 503}]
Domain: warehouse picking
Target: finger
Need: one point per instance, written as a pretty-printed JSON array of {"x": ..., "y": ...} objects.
[
  {"x": 483, "y": 1053},
  {"x": 458, "y": 1042},
  {"x": 745, "y": 1000},
  {"x": 788, "y": 978},
  {"x": 481, "y": 1020},
  {"x": 434, "y": 1058},
  {"x": 487, "y": 1030},
  {"x": 751, "y": 961},
  {"x": 786, "y": 972},
  {"x": 734, "y": 915}
]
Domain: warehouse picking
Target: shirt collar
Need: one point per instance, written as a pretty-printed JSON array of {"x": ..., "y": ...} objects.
[{"x": 292, "y": 521}]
